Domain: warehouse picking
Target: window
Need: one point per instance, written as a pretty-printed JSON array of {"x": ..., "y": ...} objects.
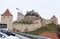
[
  {"x": 37, "y": 22},
  {"x": 4, "y": 17},
  {"x": 8, "y": 17}
]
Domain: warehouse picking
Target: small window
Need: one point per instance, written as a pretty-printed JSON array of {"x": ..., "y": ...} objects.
[
  {"x": 8, "y": 17},
  {"x": 4, "y": 17},
  {"x": 37, "y": 22}
]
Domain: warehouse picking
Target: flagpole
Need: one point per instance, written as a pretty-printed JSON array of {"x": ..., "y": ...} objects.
[{"x": 19, "y": 10}]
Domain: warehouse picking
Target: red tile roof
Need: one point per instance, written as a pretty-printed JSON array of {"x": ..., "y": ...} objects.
[
  {"x": 49, "y": 35},
  {"x": 53, "y": 17},
  {"x": 7, "y": 13}
]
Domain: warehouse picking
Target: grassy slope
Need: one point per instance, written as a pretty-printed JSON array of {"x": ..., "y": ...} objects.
[{"x": 47, "y": 28}]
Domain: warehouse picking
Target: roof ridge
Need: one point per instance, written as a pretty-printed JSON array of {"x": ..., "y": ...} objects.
[
  {"x": 53, "y": 17},
  {"x": 7, "y": 13}
]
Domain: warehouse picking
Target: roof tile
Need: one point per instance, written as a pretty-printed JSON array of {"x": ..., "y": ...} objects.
[
  {"x": 49, "y": 34},
  {"x": 53, "y": 17},
  {"x": 7, "y": 13}
]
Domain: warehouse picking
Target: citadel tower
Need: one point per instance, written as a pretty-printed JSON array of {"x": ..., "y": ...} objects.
[{"x": 7, "y": 18}]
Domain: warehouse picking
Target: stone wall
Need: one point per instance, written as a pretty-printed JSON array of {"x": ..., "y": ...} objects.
[
  {"x": 45, "y": 22},
  {"x": 20, "y": 17},
  {"x": 7, "y": 20},
  {"x": 31, "y": 27},
  {"x": 27, "y": 27}
]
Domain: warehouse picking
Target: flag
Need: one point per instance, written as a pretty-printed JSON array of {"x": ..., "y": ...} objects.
[{"x": 17, "y": 8}]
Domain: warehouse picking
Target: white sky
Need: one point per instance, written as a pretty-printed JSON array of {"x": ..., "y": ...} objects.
[{"x": 46, "y": 8}]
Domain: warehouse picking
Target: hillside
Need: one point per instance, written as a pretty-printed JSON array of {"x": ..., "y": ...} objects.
[{"x": 46, "y": 28}]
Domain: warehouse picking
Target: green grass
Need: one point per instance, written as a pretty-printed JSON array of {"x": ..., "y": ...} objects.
[
  {"x": 23, "y": 22},
  {"x": 47, "y": 28}
]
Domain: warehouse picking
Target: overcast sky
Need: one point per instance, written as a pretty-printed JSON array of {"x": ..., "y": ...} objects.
[{"x": 46, "y": 8}]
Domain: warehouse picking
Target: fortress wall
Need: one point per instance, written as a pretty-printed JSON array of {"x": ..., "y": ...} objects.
[
  {"x": 45, "y": 22},
  {"x": 27, "y": 27},
  {"x": 48, "y": 21},
  {"x": 31, "y": 27}
]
